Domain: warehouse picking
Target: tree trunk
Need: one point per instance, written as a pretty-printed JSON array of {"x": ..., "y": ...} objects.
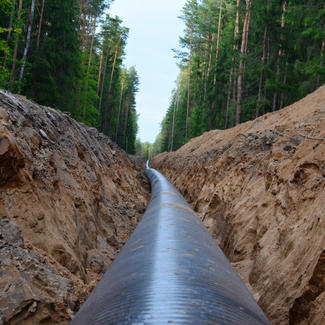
[
  {"x": 206, "y": 72},
  {"x": 40, "y": 25},
  {"x": 259, "y": 96},
  {"x": 195, "y": 83},
  {"x": 100, "y": 68},
  {"x": 275, "y": 99},
  {"x": 321, "y": 62},
  {"x": 267, "y": 60},
  {"x": 236, "y": 31},
  {"x": 219, "y": 31},
  {"x": 210, "y": 56},
  {"x": 29, "y": 32},
  {"x": 321, "y": 58},
  {"x": 84, "y": 43},
  {"x": 169, "y": 137},
  {"x": 228, "y": 99},
  {"x": 113, "y": 68},
  {"x": 189, "y": 84},
  {"x": 9, "y": 30},
  {"x": 234, "y": 95},
  {"x": 173, "y": 130},
  {"x": 11, "y": 20},
  {"x": 243, "y": 51},
  {"x": 126, "y": 120},
  {"x": 89, "y": 64},
  {"x": 284, "y": 82},
  {"x": 80, "y": 12},
  {"x": 92, "y": 43},
  {"x": 103, "y": 82},
  {"x": 218, "y": 41},
  {"x": 234, "y": 98},
  {"x": 232, "y": 71},
  {"x": 13, "y": 68},
  {"x": 110, "y": 84},
  {"x": 281, "y": 52},
  {"x": 119, "y": 111},
  {"x": 174, "y": 115},
  {"x": 87, "y": 34},
  {"x": 206, "y": 57},
  {"x": 84, "y": 24}
]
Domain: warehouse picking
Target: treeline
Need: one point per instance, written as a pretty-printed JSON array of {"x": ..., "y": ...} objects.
[
  {"x": 146, "y": 150},
  {"x": 240, "y": 59},
  {"x": 69, "y": 55}
]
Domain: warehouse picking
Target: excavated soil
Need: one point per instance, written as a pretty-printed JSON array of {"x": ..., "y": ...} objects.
[
  {"x": 260, "y": 189},
  {"x": 69, "y": 200}
]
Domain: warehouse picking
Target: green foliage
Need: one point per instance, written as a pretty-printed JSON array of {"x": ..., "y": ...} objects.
[
  {"x": 144, "y": 149},
  {"x": 72, "y": 56},
  {"x": 7, "y": 29},
  {"x": 6, "y": 6},
  {"x": 284, "y": 62},
  {"x": 126, "y": 130},
  {"x": 55, "y": 66}
]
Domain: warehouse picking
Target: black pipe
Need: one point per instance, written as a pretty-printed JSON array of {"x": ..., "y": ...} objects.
[{"x": 171, "y": 271}]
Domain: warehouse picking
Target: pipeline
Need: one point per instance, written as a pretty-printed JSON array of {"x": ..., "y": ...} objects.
[{"x": 171, "y": 271}]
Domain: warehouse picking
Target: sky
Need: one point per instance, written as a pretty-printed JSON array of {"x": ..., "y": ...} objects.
[{"x": 154, "y": 32}]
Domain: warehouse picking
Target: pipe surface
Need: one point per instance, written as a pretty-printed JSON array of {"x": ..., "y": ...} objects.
[{"x": 171, "y": 271}]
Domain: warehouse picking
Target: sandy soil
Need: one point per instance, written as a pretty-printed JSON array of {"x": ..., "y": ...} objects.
[{"x": 69, "y": 200}]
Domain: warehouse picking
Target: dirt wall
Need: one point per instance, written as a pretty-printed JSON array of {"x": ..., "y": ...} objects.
[{"x": 69, "y": 199}]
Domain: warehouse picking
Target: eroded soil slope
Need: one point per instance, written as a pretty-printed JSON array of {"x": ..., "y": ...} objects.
[
  {"x": 260, "y": 190},
  {"x": 69, "y": 199}
]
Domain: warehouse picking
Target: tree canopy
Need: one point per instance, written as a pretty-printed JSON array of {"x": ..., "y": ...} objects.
[
  {"x": 240, "y": 59},
  {"x": 69, "y": 54}
]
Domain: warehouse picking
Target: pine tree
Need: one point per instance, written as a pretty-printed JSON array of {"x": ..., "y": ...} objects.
[
  {"x": 245, "y": 58},
  {"x": 56, "y": 53}
]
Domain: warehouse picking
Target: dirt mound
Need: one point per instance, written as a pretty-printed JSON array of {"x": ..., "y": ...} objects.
[
  {"x": 69, "y": 199},
  {"x": 260, "y": 189}
]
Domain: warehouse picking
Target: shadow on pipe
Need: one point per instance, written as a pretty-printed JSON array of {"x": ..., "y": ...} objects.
[{"x": 171, "y": 271}]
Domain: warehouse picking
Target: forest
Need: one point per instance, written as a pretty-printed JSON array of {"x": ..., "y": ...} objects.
[
  {"x": 68, "y": 54},
  {"x": 238, "y": 59},
  {"x": 241, "y": 59}
]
